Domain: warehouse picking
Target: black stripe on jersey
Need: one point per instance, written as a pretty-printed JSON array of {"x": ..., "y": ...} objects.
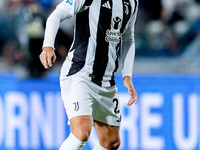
[
  {"x": 88, "y": 3},
  {"x": 126, "y": 16},
  {"x": 82, "y": 34},
  {"x": 112, "y": 81},
  {"x": 101, "y": 55}
]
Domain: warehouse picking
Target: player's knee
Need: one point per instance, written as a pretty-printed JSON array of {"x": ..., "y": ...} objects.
[
  {"x": 83, "y": 135},
  {"x": 116, "y": 144},
  {"x": 111, "y": 144},
  {"x": 81, "y": 127}
]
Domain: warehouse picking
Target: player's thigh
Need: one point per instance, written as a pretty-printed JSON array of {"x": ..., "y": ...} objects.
[
  {"x": 78, "y": 104},
  {"x": 108, "y": 135},
  {"x": 107, "y": 107}
]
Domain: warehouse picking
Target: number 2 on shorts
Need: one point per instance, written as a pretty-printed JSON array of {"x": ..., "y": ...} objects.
[{"x": 116, "y": 108}]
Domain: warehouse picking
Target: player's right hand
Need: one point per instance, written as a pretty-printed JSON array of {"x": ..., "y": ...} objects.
[{"x": 47, "y": 57}]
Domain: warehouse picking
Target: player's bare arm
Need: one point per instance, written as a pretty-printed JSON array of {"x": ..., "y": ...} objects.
[
  {"x": 131, "y": 90},
  {"x": 47, "y": 57}
]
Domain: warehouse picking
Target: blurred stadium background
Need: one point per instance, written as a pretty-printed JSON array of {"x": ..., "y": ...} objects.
[{"x": 166, "y": 76}]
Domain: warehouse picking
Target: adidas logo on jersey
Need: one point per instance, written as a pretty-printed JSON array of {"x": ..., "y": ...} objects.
[{"x": 106, "y": 5}]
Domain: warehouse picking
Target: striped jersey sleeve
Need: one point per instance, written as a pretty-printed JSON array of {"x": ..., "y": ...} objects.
[
  {"x": 126, "y": 59},
  {"x": 65, "y": 10}
]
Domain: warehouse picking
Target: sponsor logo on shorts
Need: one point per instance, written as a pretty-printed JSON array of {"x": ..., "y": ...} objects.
[{"x": 76, "y": 106}]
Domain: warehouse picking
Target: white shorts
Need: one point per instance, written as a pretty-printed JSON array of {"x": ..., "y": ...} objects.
[{"x": 83, "y": 97}]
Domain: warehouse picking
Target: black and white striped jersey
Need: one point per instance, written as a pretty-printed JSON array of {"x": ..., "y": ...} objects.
[{"x": 104, "y": 38}]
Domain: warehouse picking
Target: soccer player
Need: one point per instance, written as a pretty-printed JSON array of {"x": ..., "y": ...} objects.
[{"x": 103, "y": 40}]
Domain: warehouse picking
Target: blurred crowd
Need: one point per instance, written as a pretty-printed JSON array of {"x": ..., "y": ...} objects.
[
  {"x": 167, "y": 27},
  {"x": 164, "y": 28}
]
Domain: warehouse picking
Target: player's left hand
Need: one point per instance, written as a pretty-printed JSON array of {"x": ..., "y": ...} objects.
[{"x": 131, "y": 90}]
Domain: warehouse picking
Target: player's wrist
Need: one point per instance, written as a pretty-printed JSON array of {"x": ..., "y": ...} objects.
[
  {"x": 127, "y": 78},
  {"x": 127, "y": 81},
  {"x": 48, "y": 49}
]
